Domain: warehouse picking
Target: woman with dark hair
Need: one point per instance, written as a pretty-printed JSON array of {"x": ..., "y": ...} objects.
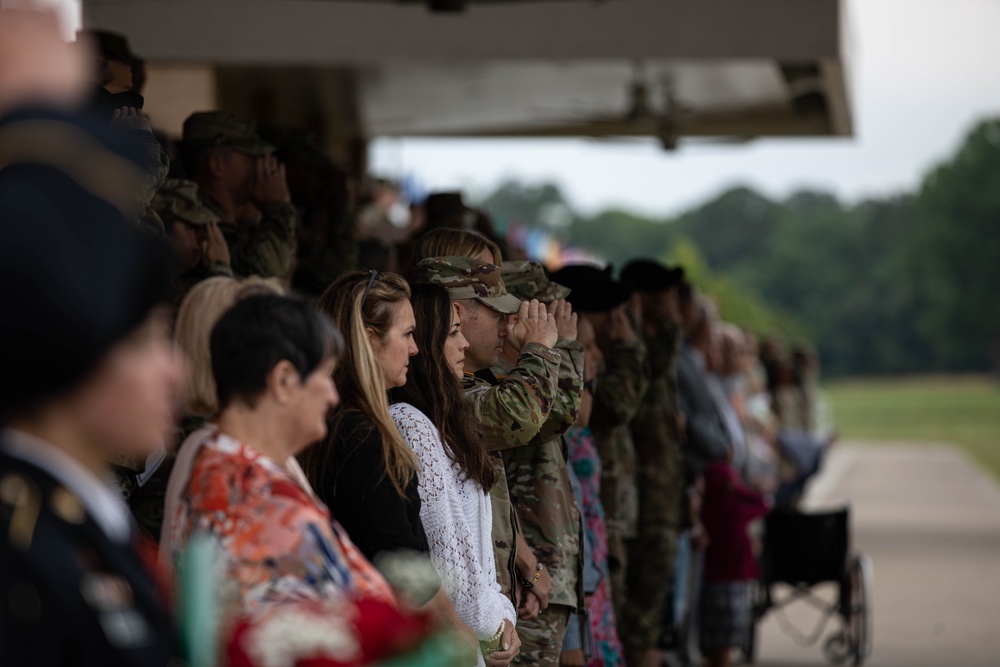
[
  {"x": 364, "y": 470},
  {"x": 456, "y": 475},
  {"x": 272, "y": 358}
]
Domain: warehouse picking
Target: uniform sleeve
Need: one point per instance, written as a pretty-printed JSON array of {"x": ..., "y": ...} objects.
[
  {"x": 155, "y": 167},
  {"x": 511, "y": 413},
  {"x": 663, "y": 348},
  {"x": 266, "y": 249},
  {"x": 472, "y": 587},
  {"x": 621, "y": 389},
  {"x": 566, "y": 405}
]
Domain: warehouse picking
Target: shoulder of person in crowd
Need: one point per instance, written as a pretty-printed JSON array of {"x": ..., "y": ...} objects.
[{"x": 60, "y": 568}]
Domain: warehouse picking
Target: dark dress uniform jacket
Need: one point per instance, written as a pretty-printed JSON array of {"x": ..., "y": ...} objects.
[{"x": 69, "y": 595}]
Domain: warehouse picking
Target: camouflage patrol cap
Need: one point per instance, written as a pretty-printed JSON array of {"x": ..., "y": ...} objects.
[
  {"x": 221, "y": 129},
  {"x": 466, "y": 278},
  {"x": 528, "y": 280},
  {"x": 178, "y": 199}
]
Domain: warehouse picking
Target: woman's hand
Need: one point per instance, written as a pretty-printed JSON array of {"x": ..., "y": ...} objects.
[{"x": 510, "y": 646}]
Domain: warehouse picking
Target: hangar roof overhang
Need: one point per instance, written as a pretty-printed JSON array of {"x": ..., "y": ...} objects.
[{"x": 738, "y": 69}]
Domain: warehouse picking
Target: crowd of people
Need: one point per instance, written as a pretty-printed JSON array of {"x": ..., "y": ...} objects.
[{"x": 348, "y": 399}]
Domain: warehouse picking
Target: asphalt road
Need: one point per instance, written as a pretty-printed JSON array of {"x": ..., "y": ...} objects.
[{"x": 930, "y": 521}]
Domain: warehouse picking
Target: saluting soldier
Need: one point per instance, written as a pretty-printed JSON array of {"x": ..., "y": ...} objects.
[
  {"x": 510, "y": 412},
  {"x": 659, "y": 460},
  {"x": 196, "y": 240},
  {"x": 89, "y": 376},
  {"x": 538, "y": 476},
  {"x": 621, "y": 384},
  {"x": 241, "y": 181}
]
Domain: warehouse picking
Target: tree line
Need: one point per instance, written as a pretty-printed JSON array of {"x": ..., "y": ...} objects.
[{"x": 902, "y": 284}]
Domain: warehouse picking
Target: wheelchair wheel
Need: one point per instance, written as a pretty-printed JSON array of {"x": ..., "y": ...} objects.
[{"x": 858, "y": 611}]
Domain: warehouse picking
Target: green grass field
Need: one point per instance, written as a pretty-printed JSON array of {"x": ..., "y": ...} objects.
[{"x": 961, "y": 410}]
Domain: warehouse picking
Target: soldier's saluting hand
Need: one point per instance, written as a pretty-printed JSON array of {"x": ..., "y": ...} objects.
[{"x": 532, "y": 324}]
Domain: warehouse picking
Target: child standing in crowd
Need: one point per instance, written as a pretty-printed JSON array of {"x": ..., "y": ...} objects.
[{"x": 728, "y": 508}]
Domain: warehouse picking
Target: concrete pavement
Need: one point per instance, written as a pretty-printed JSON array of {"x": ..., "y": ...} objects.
[{"x": 930, "y": 521}]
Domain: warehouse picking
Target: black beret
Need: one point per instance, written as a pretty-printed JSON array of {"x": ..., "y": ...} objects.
[
  {"x": 647, "y": 275},
  {"x": 594, "y": 290},
  {"x": 440, "y": 205},
  {"x": 75, "y": 277}
]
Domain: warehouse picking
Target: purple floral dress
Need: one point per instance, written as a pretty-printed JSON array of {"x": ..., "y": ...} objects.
[{"x": 587, "y": 466}]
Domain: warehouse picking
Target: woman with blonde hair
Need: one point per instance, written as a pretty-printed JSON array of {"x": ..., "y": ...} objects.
[
  {"x": 200, "y": 311},
  {"x": 363, "y": 469},
  {"x": 272, "y": 358}
]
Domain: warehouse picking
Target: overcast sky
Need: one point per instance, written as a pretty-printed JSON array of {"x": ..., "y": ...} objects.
[{"x": 921, "y": 73}]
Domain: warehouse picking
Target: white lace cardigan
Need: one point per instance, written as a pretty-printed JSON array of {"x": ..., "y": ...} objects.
[{"x": 458, "y": 520}]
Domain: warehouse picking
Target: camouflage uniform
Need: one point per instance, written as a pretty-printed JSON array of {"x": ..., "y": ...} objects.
[
  {"x": 540, "y": 485},
  {"x": 265, "y": 248},
  {"x": 660, "y": 467},
  {"x": 621, "y": 384},
  {"x": 177, "y": 201},
  {"x": 510, "y": 412},
  {"x": 156, "y": 166},
  {"x": 257, "y": 248}
]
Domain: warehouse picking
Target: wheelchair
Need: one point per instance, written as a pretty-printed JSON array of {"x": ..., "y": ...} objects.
[{"x": 803, "y": 550}]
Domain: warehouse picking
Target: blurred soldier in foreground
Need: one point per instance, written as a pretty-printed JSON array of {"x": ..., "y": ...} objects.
[
  {"x": 89, "y": 372},
  {"x": 241, "y": 182},
  {"x": 621, "y": 385},
  {"x": 659, "y": 461}
]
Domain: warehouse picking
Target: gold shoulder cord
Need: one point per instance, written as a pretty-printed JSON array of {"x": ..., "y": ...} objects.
[{"x": 26, "y": 500}]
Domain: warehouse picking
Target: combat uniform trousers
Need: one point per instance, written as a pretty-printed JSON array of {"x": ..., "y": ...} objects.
[{"x": 542, "y": 637}]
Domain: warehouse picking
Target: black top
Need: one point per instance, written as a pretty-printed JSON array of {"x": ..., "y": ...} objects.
[
  {"x": 75, "y": 596},
  {"x": 360, "y": 495}
]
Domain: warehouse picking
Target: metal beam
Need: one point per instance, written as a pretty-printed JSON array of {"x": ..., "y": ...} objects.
[
  {"x": 741, "y": 124},
  {"x": 311, "y": 32}
]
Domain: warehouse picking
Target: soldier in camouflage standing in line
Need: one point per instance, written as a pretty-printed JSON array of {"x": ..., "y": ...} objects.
[
  {"x": 512, "y": 411},
  {"x": 538, "y": 477},
  {"x": 199, "y": 248},
  {"x": 659, "y": 462},
  {"x": 621, "y": 385},
  {"x": 234, "y": 169}
]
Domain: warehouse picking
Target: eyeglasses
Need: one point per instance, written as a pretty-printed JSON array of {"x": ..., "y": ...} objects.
[{"x": 371, "y": 281}]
